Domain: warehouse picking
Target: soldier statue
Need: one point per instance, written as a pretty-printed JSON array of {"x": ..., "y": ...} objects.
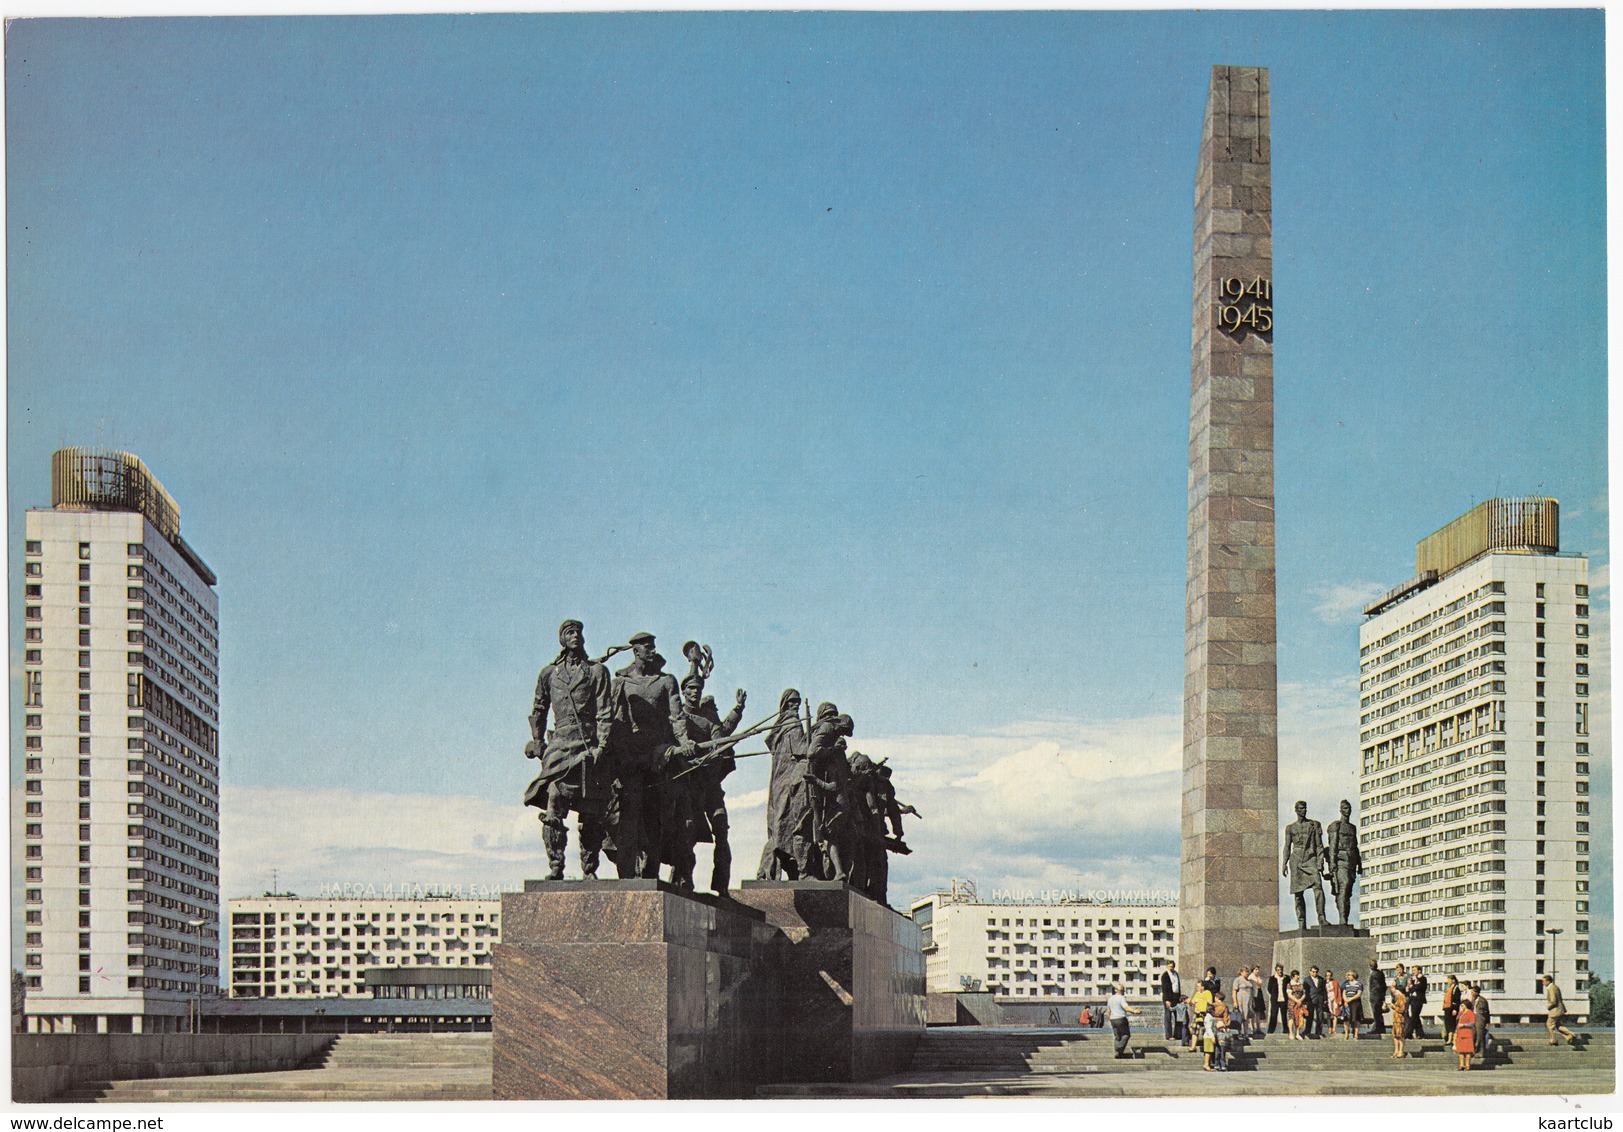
[
  {"x": 649, "y": 730},
  {"x": 878, "y": 825},
  {"x": 1303, "y": 858},
  {"x": 576, "y": 775},
  {"x": 703, "y": 783},
  {"x": 830, "y": 776},
  {"x": 1343, "y": 862}
]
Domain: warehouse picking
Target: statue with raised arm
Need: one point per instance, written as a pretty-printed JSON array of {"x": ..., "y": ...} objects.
[
  {"x": 576, "y": 775},
  {"x": 706, "y": 797},
  {"x": 1303, "y": 857},
  {"x": 1342, "y": 861}
]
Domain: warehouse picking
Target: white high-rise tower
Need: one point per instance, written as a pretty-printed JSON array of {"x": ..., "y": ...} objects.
[
  {"x": 119, "y": 823},
  {"x": 1474, "y": 793}
]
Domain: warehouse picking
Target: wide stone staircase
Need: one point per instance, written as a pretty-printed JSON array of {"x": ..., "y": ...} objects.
[
  {"x": 985, "y": 1061},
  {"x": 358, "y": 1067}
]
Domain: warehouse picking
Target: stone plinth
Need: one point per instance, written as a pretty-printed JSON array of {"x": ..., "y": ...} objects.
[
  {"x": 631, "y": 990},
  {"x": 852, "y": 992},
  {"x": 1335, "y": 948},
  {"x": 1228, "y": 906}
]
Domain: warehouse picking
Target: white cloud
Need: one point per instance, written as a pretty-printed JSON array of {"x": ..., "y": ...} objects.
[{"x": 1342, "y": 605}]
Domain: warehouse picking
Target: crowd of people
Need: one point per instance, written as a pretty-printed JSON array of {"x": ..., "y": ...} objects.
[{"x": 1215, "y": 1018}]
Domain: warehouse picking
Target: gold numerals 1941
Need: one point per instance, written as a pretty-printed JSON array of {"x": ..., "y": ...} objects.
[{"x": 1246, "y": 304}]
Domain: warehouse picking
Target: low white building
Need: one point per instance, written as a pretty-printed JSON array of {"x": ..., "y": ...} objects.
[
  {"x": 1067, "y": 949},
  {"x": 297, "y": 947}
]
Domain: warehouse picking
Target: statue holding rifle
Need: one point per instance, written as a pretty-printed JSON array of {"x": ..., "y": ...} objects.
[
  {"x": 650, "y": 731},
  {"x": 705, "y": 797}
]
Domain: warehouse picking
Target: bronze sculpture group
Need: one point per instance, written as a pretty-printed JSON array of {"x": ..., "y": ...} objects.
[
  {"x": 1308, "y": 849},
  {"x": 640, "y": 760}
]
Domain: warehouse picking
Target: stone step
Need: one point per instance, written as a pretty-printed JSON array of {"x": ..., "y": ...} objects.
[{"x": 358, "y": 1067}]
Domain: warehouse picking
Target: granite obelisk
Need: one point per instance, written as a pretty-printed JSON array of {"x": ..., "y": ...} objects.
[{"x": 1229, "y": 902}]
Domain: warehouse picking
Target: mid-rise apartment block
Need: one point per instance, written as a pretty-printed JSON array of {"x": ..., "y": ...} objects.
[
  {"x": 285, "y": 946},
  {"x": 1475, "y": 694},
  {"x": 1035, "y": 951},
  {"x": 119, "y": 816}
]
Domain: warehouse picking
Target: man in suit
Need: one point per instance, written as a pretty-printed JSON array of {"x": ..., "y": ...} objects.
[
  {"x": 1317, "y": 1002},
  {"x": 1375, "y": 996},
  {"x": 1479, "y": 1029},
  {"x": 1276, "y": 999},
  {"x": 1171, "y": 992},
  {"x": 1417, "y": 1001}
]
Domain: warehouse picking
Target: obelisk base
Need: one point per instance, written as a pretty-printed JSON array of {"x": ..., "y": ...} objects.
[{"x": 1334, "y": 949}]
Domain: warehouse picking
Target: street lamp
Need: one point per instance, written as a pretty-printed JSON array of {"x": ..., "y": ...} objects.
[
  {"x": 197, "y": 985},
  {"x": 1552, "y": 932}
]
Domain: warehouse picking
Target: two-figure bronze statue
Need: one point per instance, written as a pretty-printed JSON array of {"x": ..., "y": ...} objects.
[
  {"x": 640, "y": 760},
  {"x": 1312, "y": 855}
]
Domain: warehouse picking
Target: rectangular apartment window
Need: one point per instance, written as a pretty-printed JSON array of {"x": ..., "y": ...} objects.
[
  {"x": 32, "y": 547},
  {"x": 32, "y": 592},
  {"x": 84, "y": 658},
  {"x": 33, "y": 570},
  {"x": 84, "y": 615},
  {"x": 84, "y": 550},
  {"x": 136, "y": 550},
  {"x": 32, "y": 656},
  {"x": 31, "y": 612}
]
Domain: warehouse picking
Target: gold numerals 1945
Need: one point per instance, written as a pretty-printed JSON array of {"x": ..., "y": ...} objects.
[{"x": 1246, "y": 304}]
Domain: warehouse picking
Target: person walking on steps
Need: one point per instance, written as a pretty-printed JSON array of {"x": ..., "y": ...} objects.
[
  {"x": 1555, "y": 1008},
  {"x": 1117, "y": 1009}
]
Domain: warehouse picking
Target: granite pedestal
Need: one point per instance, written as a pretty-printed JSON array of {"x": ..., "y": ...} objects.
[
  {"x": 632, "y": 990},
  {"x": 851, "y": 1005},
  {"x": 1332, "y": 948}
]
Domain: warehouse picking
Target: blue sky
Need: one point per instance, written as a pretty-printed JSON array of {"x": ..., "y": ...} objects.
[{"x": 855, "y": 345}]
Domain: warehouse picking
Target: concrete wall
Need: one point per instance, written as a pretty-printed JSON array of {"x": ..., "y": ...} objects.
[{"x": 46, "y": 1065}]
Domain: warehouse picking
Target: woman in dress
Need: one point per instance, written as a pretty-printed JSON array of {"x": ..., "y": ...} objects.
[
  {"x": 1464, "y": 1032},
  {"x": 1259, "y": 1004},
  {"x": 1336, "y": 1004},
  {"x": 1240, "y": 1013},
  {"x": 1296, "y": 999},
  {"x": 1400, "y": 1020}
]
